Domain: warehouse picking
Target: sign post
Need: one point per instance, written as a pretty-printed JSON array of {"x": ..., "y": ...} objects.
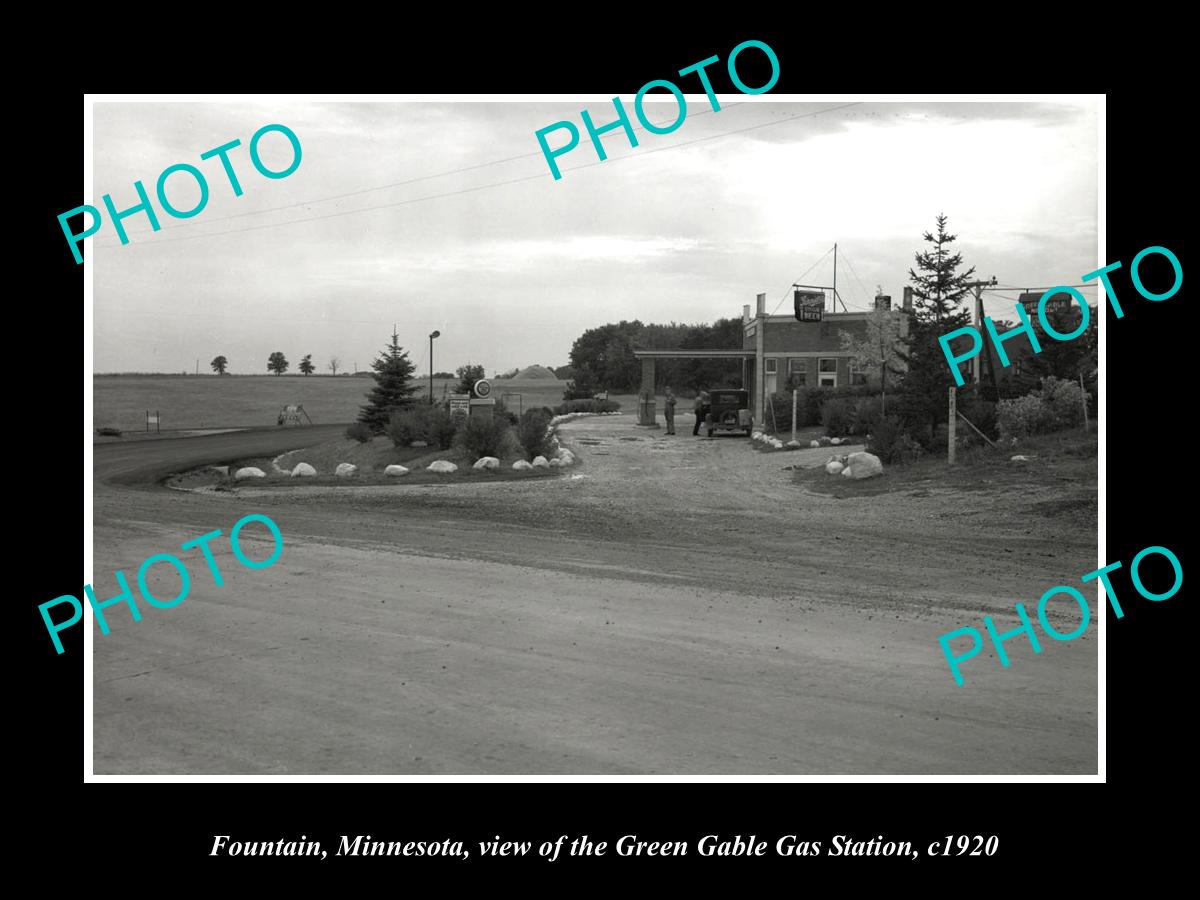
[
  {"x": 794, "y": 392},
  {"x": 153, "y": 420},
  {"x": 953, "y": 418}
]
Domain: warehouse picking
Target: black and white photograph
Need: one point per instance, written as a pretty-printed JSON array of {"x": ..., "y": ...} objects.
[{"x": 682, "y": 435}]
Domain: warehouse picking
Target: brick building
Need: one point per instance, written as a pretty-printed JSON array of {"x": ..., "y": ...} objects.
[{"x": 808, "y": 354}]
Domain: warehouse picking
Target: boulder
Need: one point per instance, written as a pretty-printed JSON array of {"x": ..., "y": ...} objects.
[
  {"x": 442, "y": 467},
  {"x": 1022, "y": 458},
  {"x": 540, "y": 462},
  {"x": 521, "y": 465},
  {"x": 756, "y": 436},
  {"x": 777, "y": 444},
  {"x": 863, "y": 465},
  {"x": 486, "y": 462},
  {"x": 568, "y": 460},
  {"x": 555, "y": 463},
  {"x": 835, "y": 441},
  {"x": 833, "y": 467},
  {"x": 249, "y": 472},
  {"x": 303, "y": 470},
  {"x": 825, "y": 441},
  {"x": 794, "y": 445},
  {"x": 345, "y": 470},
  {"x": 395, "y": 470},
  {"x": 814, "y": 443},
  {"x": 566, "y": 455}
]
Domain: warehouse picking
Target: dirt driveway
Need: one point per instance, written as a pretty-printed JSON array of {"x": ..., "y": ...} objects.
[{"x": 671, "y": 605}]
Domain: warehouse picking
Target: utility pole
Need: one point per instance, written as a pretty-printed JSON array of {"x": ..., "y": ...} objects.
[
  {"x": 986, "y": 354},
  {"x": 835, "y": 296}
]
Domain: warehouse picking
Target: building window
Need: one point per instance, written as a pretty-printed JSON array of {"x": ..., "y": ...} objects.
[
  {"x": 772, "y": 366},
  {"x": 827, "y": 372},
  {"x": 857, "y": 375},
  {"x": 797, "y": 373}
]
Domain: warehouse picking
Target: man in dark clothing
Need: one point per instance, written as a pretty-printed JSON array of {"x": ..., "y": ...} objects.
[
  {"x": 669, "y": 411},
  {"x": 700, "y": 408}
]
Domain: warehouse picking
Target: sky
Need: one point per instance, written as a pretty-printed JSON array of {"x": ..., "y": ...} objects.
[{"x": 444, "y": 215}]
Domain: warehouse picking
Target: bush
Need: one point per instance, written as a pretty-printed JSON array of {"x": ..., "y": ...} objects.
[
  {"x": 1022, "y": 417},
  {"x": 533, "y": 433},
  {"x": 361, "y": 432},
  {"x": 501, "y": 410},
  {"x": 867, "y": 411},
  {"x": 589, "y": 406},
  {"x": 483, "y": 436},
  {"x": 892, "y": 443},
  {"x": 837, "y": 415},
  {"x": 442, "y": 428},
  {"x": 981, "y": 414},
  {"x": 1063, "y": 401},
  {"x": 408, "y": 425}
]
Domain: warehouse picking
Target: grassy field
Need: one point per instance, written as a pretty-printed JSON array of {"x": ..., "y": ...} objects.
[{"x": 210, "y": 401}]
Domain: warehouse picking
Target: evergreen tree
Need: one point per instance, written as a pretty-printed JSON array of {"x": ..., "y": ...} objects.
[
  {"x": 392, "y": 390},
  {"x": 939, "y": 290}
]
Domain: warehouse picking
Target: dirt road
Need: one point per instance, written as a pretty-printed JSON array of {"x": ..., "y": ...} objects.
[{"x": 672, "y": 605}]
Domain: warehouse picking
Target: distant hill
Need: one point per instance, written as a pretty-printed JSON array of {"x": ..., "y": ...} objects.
[{"x": 531, "y": 372}]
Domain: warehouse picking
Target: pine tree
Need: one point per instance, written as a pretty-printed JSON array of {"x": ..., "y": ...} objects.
[
  {"x": 392, "y": 391},
  {"x": 938, "y": 293}
]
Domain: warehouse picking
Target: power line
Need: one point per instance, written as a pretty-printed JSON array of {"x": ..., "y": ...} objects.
[
  {"x": 539, "y": 176},
  {"x": 384, "y": 187}
]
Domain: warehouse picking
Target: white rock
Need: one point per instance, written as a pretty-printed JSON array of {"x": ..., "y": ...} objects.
[
  {"x": 442, "y": 467},
  {"x": 833, "y": 467},
  {"x": 756, "y": 436},
  {"x": 540, "y": 462},
  {"x": 795, "y": 445},
  {"x": 1020, "y": 458},
  {"x": 835, "y": 441},
  {"x": 303, "y": 470},
  {"x": 521, "y": 465},
  {"x": 564, "y": 453},
  {"x": 863, "y": 465},
  {"x": 345, "y": 470},
  {"x": 847, "y": 472},
  {"x": 555, "y": 463},
  {"x": 486, "y": 462},
  {"x": 249, "y": 472},
  {"x": 568, "y": 460},
  {"x": 777, "y": 444},
  {"x": 395, "y": 470},
  {"x": 814, "y": 443}
]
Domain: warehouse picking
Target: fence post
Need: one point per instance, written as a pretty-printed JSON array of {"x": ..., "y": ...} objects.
[
  {"x": 793, "y": 414},
  {"x": 953, "y": 416}
]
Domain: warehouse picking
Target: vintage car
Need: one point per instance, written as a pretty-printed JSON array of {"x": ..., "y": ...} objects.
[{"x": 728, "y": 410}]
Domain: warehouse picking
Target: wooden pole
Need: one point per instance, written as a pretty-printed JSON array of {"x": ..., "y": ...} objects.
[
  {"x": 793, "y": 414},
  {"x": 953, "y": 418}
]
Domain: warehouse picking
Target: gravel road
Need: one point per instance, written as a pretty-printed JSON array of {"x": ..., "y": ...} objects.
[{"x": 672, "y": 605}]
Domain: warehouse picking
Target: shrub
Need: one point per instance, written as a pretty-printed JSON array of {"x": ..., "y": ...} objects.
[
  {"x": 501, "y": 410},
  {"x": 1063, "y": 401},
  {"x": 837, "y": 415},
  {"x": 408, "y": 425},
  {"x": 442, "y": 428},
  {"x": 981, "y": 414},
  {"x": 892, "y": 443},
  {"x": 360, "y": 431},
  {"x": 884, "y": 436},
  {"x": 1022, "y": 416},
  {"x": 867, "y": 411},
  {"x": 482, "y": 436},
  {"x": 588, "y": 405},
  {"x": 533, "y": 433}
]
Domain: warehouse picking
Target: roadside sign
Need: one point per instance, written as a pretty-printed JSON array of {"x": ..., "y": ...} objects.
[
  {"x": 460, "y": 404},
  {"x": 810, "y": 305}
]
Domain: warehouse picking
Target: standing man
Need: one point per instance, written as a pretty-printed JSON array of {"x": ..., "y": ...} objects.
[
  {"x": 669, "y": 411},
  {"x": 700, "y": 408}
]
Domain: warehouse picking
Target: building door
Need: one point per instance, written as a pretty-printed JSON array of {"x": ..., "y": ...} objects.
[{"x": 772, "y": 375}]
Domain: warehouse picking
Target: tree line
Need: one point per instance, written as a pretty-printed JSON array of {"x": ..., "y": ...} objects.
[{"x": 278, "y": 363}]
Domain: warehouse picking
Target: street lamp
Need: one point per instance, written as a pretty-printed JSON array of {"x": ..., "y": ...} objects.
[{"x": 431, "y": 337}]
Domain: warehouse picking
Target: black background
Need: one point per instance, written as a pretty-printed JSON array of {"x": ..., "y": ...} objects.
[{"x": 1148, "y": 403}]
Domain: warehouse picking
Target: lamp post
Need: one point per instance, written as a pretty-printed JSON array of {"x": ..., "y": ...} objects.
[{"x": 431, "y": 337}]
